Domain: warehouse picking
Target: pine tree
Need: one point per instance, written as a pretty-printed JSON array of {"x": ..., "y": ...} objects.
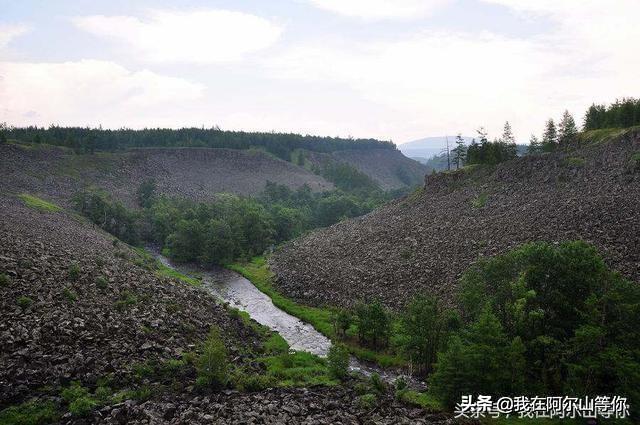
[
  {"x": 550, "y": 136},
  {"x": 509, "y": 140},
  {"x": 459, "y": 152},
  {"x": 535, "y": 146},
  {"x": 567, "y": 128}
]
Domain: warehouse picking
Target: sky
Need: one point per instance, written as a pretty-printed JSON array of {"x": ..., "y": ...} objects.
[{"x": 395, "y": 70}]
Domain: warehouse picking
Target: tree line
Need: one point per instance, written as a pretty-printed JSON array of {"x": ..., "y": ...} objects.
[
  {"x": 620, "y": 114},
  {"x": 89, "y": 140}
]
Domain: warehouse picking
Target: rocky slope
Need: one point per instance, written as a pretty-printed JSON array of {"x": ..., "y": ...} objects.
[
  {"x": 389, "y": 168},
  {"x": 194, "y": 173},
  {"x": 424, "y": 242},
  {"x": 76, "y": 307}
]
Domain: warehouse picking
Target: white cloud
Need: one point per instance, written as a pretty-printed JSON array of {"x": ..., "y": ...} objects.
[
  {"x": 381, "y": 9},
  {"x": 10, "y": 31},
  {"x": 445, "y": 82},
  {"x": 88, "y": 92},
  {"x": 204, "y": 36}
]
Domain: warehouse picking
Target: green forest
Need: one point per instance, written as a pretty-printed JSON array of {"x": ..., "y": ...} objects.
[
  {"x": 88, "y": 140},
  {"x": 232, "y": 227}
]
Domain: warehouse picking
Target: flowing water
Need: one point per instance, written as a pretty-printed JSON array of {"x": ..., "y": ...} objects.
[{"x": 240, "y": 293}]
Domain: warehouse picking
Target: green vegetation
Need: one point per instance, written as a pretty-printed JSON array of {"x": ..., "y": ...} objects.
[
  {"x": 38, "y": 204},
  {"x": 276, "y": 344},
  {"x": 543, "y": 319},
  {"x": 479, "y": 201},
  {"x": 338, "y": 361},
  {"x": 89, "y": 140},
  {"x": 69, "y": 294},
  {"x": 110, "y": 215},
  {"x": 127, "y": 299},
  {"x": 102, "y": 282},
  {"x": 367, "y": 401},
  {"x": 491, "y": 153},
  {"x": 212, "y": 364},
  {"x": 620, "y": 114},
  {"x": 24, "y": 302},
  {"x": 33, "y": 412},
  {"x": 575, "y": 162},
  {"x": 4, "y": 280},
  {"x": 80, "y": 401},
  {"x": 424, "y": 400},
  {"x": 165, "y": 271},
  {"x": 74, "y": 272},
  {"x": 298, "y": 369}
]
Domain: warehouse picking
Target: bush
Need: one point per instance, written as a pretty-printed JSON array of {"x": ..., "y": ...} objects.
[
  {"x": 24, "y": 302},
  {"x": 102, "y": 282},
  {"x": 4, "y": 280},
  {"x": 69, "y": 295},
  {"x": 211, "y": 365},
  {"x": 74, "y": 272},
  {"x": 338, "y": 361},
  {"x": 80, "y": 400},
  {"x": 367, "y": 401},
  {"x": 377, "y": 384}
]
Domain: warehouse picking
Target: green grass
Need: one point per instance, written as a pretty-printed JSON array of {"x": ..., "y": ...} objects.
[
  {"x": 575, "y": 162},
  {"x": 165, "y": 271},
  {"x": 424, "y": 400},
  {"x": 604, "y": 135},
  {"x": 30, "y": 413},
  {"x": 480, "y": 201},
  {"x": 257, "y": 271},
  {"x": 299, "y": 369},
  {"x": 38, "y": 204}
]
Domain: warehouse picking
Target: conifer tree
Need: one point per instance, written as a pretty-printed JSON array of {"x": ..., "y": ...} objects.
[
  {"x": 459, "y": 152},
  {"x": 535, "y": 146},
  {"x": 550, "y": 136},
  {"x": 567, "y": 128}
]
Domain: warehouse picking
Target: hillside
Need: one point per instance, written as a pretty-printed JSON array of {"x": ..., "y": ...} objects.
[
  {"x": 425, "y": 241},
  {"x": 390, "y": 169},
  {"x": 193, "y": 173}
]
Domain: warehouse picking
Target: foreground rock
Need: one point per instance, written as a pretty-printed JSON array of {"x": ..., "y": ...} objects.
[
  {"x": 77, "y": 308},
  {"x": 426, "y": 241},
  {"x": 277, "y": 406}
]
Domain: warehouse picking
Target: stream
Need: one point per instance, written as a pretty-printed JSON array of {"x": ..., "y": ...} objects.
[{"x": 240, "y": 293}]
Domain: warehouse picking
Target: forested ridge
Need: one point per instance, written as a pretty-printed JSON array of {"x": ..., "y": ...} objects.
[{"x": 84, "y": 139}]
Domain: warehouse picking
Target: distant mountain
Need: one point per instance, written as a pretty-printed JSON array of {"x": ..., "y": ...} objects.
[{"x": 428, "y": 147}]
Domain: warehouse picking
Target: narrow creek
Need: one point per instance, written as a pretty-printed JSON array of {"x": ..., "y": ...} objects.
[{"x": 240, "y": 293}]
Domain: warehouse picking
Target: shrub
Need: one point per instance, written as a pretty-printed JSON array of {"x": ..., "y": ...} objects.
[
  {"x": 4, "y": 280},
  {"x": 211, "y": 365},
  {"x": 74, "y": 272},
  {"x": 367, "y": 401},
  {"x": 24, "y": 302},
  {"x": 377, "y": 384},
  {"x": 69, "y": 295},
  {"x": 400, "y": 383},
  {"x": 127, "y": 299},
  {"x": 338, "y": 361},
  {"x": 342, "y": 322},
  {"x": 480, "y": 201},
  {"x": 102, "y": 282}
]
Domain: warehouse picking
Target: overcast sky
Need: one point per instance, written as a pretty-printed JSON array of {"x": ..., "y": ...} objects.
[{"x": 390, "y": 69}]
